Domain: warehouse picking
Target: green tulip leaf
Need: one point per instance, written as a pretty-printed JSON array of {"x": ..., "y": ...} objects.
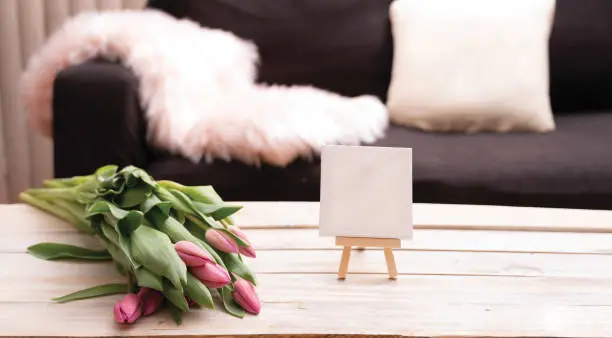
[
  {"x": 109, "y": 233},
  {"x": 203, "y": 194},
  {"x": 118, "y": 257},
  {"x": 188, "y": 194},
  {"x": 153, "y": 202},
  {"x": 196, "y": 230},
  {"x": 230, "y": 305},
  {"x": 129, "y": 223},
  {"x": 111, "y": 187},
  {"x": 134, "y": 196},
  {"x": 146, "y": 278},
  {"x": 105, "y": 208},
  {"x": 154, "y": 250},
  {"x": 57, "y": 251},
  {"x": 175, "y": 230},
  {"x": 178, "y": 215},
  {"x": 135, "y": 174},
  {"x": 198, "y": 292},
  {"x": 125, "y": 221},
  {"x": 86, "y": 192},
  {"x": 208, "y": 195},
  {"x": 156, "y": 210},
  {"x": 105, "y": 172},
  {"x": 131, "y": 180},
  {"x": 92, "y": 292},
  {"x": 175, "y": 295},
  {"x": 166, "y": 196},
  {"x": 176, "y": 313},
  {"x": 217, "y": 211},
  {"x": 235, "y": 265},
  {"x": 185, "y": 200},
  {"x": 194, "y": 212},
  {"x": 122, "y": 244}
]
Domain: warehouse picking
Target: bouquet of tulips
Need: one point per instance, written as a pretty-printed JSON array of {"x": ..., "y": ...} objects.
[{"x": 177, "y": 245}]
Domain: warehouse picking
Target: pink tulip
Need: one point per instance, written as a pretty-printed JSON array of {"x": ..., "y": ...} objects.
[
  {"x": 221, "y": 241},
  {"x": 192, "y": 254},
  {"x": 212, "y": 275},
  {"x": 150, "y": 299},
  {"x": 128, "y": 309},
  {"x": 248, "y": 251},
  {"x": 244, "y": 294},
  {"x": 240, "y": 234}
]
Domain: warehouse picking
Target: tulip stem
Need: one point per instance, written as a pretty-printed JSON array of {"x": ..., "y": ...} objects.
[
  {"x": 48, "y": 207},
  {"x": 53, "y": 193},
  {"x": 197, "y": 221}
]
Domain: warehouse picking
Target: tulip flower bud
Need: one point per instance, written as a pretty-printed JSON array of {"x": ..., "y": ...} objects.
[
  {"x": 150, "y": 300},
  {"x": 221, "y": 241},
  {"x": 128, "y": 309},
  {"x": 212, "y": 275},
  {"x": 248, "y": 251},
  {"x": 244, "y": 294},
  {"x": 192, "y": 254}
]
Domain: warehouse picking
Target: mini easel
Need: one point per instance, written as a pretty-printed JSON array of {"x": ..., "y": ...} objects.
[{"x": 388, "y": 244}]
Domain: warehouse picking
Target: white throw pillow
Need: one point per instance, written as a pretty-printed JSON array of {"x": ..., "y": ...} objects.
[{"x": 471, "y": 65}]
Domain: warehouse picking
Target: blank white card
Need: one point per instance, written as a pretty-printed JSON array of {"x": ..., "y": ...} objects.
[{"x": 366, "y": 192}]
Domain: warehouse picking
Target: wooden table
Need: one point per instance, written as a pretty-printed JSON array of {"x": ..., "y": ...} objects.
[{"x": 470, "y": 271}]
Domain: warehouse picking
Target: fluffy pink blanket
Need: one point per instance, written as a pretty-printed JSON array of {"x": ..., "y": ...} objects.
[{"x": 198, "y": 91}]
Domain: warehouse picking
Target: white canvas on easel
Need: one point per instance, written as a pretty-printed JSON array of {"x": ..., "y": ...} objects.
[
  {"x": 366, "y": 192},
  {"x": 366, "y": 199}
]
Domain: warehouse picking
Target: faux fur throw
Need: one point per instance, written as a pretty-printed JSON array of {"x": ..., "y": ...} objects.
[{"x": 197, "y": 87}]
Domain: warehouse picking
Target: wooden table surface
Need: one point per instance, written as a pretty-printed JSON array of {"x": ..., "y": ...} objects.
[{"x": 471, "y": 271}]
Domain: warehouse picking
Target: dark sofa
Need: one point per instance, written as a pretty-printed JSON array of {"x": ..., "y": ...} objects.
[{"x": 346, "y": 46}]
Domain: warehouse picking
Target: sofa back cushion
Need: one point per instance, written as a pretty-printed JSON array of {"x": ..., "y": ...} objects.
[
  {"x": 344, "y": 46},
  {"x": 581, "y": 56}
]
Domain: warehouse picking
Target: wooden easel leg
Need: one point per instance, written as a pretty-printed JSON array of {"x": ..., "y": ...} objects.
[
  {"x": 390, "y": 263},
  {"x": 344, "y": 262}
]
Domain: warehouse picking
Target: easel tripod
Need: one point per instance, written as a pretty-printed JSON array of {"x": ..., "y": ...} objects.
[{"x": 388, "y": 244}]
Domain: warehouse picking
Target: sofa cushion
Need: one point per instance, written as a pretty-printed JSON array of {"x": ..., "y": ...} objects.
[
  {"x": 343, "y": 46},
  {"x": 581, "y": 56},
  {"x": 456, "y": 66},
  {"x": 569, "y": 168}
]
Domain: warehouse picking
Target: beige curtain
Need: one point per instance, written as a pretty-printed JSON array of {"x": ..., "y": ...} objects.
[{"x": 26, "y": 159}]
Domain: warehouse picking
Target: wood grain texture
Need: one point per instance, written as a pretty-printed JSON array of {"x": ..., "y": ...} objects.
[
  {"x": 465, "y": 281},
  {"x": 363, "y": 242},
  {"x": 439, "y": 216}
]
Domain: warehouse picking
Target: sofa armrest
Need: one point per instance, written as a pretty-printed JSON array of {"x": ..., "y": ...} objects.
[{"x": 97, "y": 119}]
